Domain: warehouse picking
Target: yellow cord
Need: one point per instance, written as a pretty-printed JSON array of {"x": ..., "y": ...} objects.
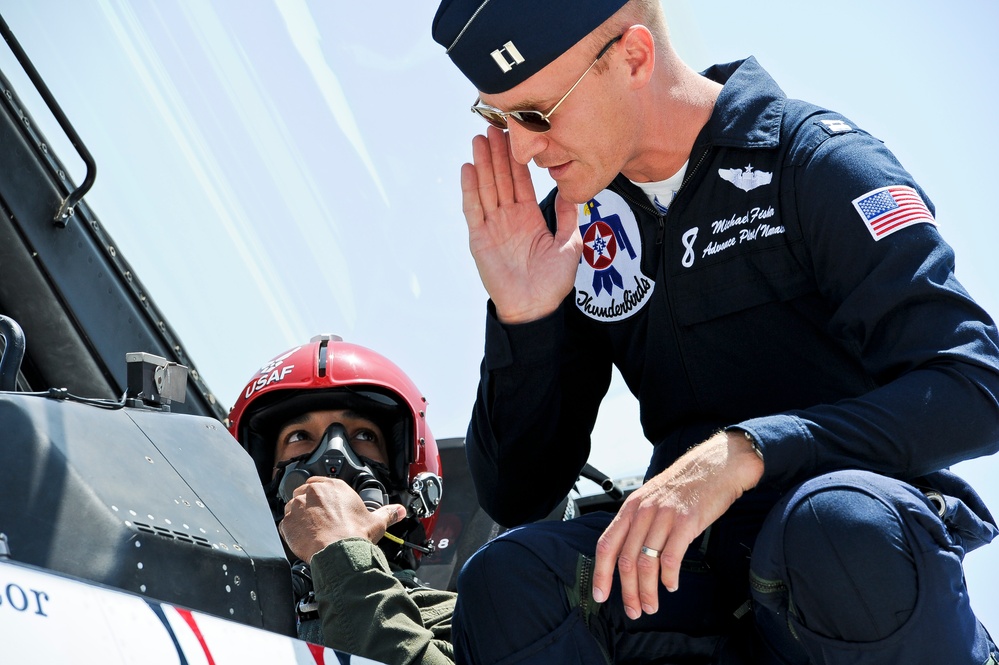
[{"x": 395, "y": 539}]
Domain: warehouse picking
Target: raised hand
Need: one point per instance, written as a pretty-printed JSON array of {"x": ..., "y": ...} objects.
[
  {"x": 666, "y": 514},
  {"x": 324, "y": 510},
  {"x": 526, "y": 269}
]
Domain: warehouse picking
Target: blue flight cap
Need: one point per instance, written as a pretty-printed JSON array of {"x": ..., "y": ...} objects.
[{"x": 499, "y": 43}]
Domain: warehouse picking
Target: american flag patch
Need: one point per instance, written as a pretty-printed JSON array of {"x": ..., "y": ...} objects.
[{"x": 889, "y": 209}]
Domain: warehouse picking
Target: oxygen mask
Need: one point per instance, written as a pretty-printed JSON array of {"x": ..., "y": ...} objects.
[{"x": 335, "y": 458}]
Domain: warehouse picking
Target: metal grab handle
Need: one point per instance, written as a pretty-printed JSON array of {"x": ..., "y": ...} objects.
[
  {"x": 13, "y": 353},
  {"x": 66, "y": 209},
  {"x": 606, "y": 484}
]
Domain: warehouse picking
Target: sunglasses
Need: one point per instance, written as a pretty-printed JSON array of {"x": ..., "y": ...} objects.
[{"x": 534, "y": 121}]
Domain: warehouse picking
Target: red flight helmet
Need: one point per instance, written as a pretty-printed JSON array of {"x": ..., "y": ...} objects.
[{"x": 328, "y": 373}]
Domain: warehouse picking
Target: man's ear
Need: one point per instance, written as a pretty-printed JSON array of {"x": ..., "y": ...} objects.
[{"x": 639, "y": 49}]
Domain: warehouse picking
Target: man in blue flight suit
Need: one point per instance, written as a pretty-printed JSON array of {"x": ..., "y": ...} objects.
[{"x": 806, "y": 363}]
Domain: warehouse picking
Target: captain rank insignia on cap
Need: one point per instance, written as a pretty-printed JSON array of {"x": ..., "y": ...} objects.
[
  {"x": 500, "y": 56},
  {"x": 498, "y": 44}
]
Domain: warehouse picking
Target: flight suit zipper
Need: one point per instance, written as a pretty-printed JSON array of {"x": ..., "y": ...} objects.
[
  {"x": 769, "y": 587},
  {"x": 661, "y": 217},
  {"x": 663, "y": 259}
]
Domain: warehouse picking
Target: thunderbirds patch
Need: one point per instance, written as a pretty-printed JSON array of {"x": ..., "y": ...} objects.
[{"x": 610, "y": 285}]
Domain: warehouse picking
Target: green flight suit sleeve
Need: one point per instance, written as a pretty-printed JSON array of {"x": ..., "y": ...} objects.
[{"x": 365, "y": 610}]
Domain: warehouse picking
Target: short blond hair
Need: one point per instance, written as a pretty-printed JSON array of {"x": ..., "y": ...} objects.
[{"x": 646, "y": 12}]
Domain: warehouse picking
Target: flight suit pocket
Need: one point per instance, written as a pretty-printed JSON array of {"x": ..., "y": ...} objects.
[{"x": 743, "y": 281}]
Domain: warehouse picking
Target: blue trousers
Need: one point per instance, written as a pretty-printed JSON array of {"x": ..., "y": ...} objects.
[{"x": 849, "y": 567}]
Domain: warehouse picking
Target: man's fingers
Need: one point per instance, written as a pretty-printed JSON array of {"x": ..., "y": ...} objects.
[
  {"x": 567, "y": 220},
  {"x": 471, "y": 202},
  {"x": 647, "y": 579},
  {"x": 672, "y": 555},
  {"x": 608, "y": 546},
  {"x": 392, "y": 513},
  {"x": 485, "y": 181},
  {"x": 641, "y": 545},
  {"x": 639, "y": 573},
  {"x": 383, "y": 518},
  {"x": 652, "y": 557},
  {"x": 502, "y": 162},
  {"x": 629, "y": 565},
  {"x": 523, "y": 184}
]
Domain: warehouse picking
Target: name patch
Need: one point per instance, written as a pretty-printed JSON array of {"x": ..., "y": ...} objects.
[{"x": 754, "y": 225}]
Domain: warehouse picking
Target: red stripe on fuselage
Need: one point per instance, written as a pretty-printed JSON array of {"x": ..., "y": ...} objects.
[{"x": 189, "y": 618}]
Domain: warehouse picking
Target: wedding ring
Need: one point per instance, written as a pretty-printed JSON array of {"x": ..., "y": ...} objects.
[{"x": 648, "y": 551}]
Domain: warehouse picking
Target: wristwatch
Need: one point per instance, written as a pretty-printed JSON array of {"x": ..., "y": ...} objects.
[{"x": 750, "y": 438}]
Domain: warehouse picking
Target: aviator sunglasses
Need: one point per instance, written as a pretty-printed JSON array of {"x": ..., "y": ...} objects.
[{"x": 534, "y": 121}]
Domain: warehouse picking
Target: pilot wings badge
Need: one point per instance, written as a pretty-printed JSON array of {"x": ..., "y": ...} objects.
[{"x": 746, "y": 179}]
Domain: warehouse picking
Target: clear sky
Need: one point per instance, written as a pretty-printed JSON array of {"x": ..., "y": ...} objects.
[{"x": 277, "y": 168}]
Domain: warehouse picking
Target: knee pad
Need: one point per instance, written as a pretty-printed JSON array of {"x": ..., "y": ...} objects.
[
  {"x": 850, "y": 565},
  {"x": 505, "y": 578},
  {"x": 509, "y": 598}
]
